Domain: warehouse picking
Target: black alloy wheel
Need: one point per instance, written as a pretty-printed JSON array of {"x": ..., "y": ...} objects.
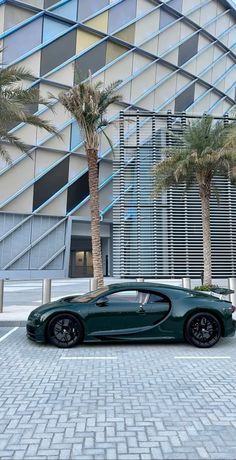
[
  {"x": 203, "y": 330},
  {"x": 65, "y": 331}
]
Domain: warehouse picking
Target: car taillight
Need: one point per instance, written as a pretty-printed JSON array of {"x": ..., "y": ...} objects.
[{"x": 233, "y": 309}]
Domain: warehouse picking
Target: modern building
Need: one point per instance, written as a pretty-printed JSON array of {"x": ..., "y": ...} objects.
[{"x": 176, "y": 55}]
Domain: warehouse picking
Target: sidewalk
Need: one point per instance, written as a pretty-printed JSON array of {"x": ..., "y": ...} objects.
[
  {"x": 15, "y": 315},
  {"x": 21, "y": 297}
]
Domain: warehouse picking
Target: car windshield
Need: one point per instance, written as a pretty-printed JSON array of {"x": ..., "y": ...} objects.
[{"x": 91, "y": 295}]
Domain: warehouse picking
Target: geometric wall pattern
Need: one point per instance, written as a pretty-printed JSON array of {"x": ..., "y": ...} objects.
[{"x": 173, "y": 55}]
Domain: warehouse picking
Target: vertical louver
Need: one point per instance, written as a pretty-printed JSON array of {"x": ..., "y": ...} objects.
[{"x": 162, "y": 237}]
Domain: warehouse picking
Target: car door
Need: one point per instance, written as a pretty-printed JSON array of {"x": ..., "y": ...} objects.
[
  {"x": 114, "y": 313},
  {"x": 156, "y": 306},
  {"x": 123, "y": 313}
]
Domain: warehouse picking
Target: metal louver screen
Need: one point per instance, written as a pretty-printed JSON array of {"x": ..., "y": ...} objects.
[{"x": 162, "y": 237}]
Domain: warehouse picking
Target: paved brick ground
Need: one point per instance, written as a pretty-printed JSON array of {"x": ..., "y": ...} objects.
[{"x": 144, "y": 404}]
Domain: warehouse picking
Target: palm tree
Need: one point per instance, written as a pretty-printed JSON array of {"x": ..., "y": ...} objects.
[
  {"x": 208, "y": 149},
  {"x": 15, "y": 104},
  {"x": 88, "y": 103}
]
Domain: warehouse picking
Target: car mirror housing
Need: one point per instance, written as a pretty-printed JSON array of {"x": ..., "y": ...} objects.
[{"x": 102, "y": 302}]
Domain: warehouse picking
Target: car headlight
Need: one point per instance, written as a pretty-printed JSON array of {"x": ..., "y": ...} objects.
[{"x": 34, "y": 316}]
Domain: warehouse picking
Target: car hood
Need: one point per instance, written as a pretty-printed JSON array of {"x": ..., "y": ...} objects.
[{"x": 51, "y": 305}]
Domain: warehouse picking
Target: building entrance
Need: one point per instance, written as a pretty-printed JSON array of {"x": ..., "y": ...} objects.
[
  {"x": 81, "y": 264},
  {"x": 81, "y": 260}
]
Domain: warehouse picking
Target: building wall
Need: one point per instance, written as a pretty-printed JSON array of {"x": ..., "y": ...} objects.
[
  {"x": 161, "y": 236},
  {"x": 177, "y": 56}
]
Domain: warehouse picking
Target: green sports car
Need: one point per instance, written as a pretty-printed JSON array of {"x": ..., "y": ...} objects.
[{"x": 131, "y": 312}]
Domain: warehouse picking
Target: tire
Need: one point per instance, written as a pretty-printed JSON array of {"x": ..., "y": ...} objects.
[
  {"x": 203, "y": 330},
  {"x": 65, "y": 331}
]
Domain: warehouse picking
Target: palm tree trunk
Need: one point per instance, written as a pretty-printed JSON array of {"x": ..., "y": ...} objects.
[
  {"x": 95, "y": 216},
  {"x": 205, "y": 194}
]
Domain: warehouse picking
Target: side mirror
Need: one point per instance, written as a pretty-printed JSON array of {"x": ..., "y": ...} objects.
[{"x": 102, "y": 302}]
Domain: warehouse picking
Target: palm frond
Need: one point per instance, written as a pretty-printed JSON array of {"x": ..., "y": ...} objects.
[
  {"x": 230, "y": 142},
  {"x": 10, "y": 75},
  {"x": 216, "y": 193},
  {"x": 22, "y": 95},
  {"x": 208, "y": 149},
  {"x": 9, "y": 138},
  {"x": 5, "y": 155},
  {"x": 88, "y": 103},
  {"x": 40, "y": 123},
  {"x": 11, "y": 112},
  {"x": 16, "y": 106},
  {"x": 112, "y": 87},
  {"x": 108, "y": 97},
  {"x": 98, "y": 85},
  {"x": 189, "y": 182},
  {"x": 108, "y": 139}
]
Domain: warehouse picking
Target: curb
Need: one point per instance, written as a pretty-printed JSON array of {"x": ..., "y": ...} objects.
[{"x": 15, "y": 323}]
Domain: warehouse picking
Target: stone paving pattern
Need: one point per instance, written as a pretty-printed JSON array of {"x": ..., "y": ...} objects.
[{"x": 143, "y": 405}]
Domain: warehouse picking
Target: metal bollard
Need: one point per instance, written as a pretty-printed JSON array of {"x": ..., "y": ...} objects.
[
  {"x": 46, "y": 291},
  {"x": 186, "y": 282},
  {"x": 93, "y": 284},
  {"x": 140, "y": 280},
  {"x": 232, "y": 285},
  {"x": 1, "y": 295}
]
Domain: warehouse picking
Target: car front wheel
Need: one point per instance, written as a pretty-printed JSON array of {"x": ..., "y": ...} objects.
[
  {"x": 65, "y": 331},
  {"x": 203, "y": 330}
]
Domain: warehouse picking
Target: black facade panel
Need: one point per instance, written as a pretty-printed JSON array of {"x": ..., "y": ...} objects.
[
  {"x": 58, "y": 52},
  {"x": 77, "y": 192},
  {"x": 79, "y": 243},
  {"x": 32, "y": 108},
  {"x": 93, "y": 60},
  {"x": 50, "y": 183},
  {"x": 188, "y": 49},
  {"x": 185, "y": 99},
  {"x": 29, "y": 108},
  {"x": 48, "y": 3}
]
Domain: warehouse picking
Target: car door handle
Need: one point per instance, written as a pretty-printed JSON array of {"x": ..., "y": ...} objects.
[{"x": 141, "y": 311}]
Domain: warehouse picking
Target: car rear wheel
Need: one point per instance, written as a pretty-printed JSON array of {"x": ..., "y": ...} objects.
[
  {"x": 65, "y": 331},
  {"x": 203, "y": 330}
]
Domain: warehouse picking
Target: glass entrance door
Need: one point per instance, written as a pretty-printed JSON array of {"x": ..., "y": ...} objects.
[{"x": 82, "y": 264}]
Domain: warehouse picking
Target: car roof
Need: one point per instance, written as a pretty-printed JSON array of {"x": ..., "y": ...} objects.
[{"x": 146, "y": 285}]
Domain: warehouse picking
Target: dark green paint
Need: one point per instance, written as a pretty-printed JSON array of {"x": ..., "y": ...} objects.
[{"x": 161, "y": 321}]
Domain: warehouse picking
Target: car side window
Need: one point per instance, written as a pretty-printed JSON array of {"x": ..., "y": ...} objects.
[
  {"x": 122, "y": 297},
  {"x": 155, "y": 298},
  {"x": 143, "y": 296}
]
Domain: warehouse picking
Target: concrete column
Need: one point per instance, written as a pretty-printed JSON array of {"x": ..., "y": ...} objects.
[
  {"x": 1, "y": 295},
  {"x": 186, "y": 283},
  {"x": 46, "y": 291},
  {"x": 232, "y": 285},
  {"x": 93, "y": 284}
]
